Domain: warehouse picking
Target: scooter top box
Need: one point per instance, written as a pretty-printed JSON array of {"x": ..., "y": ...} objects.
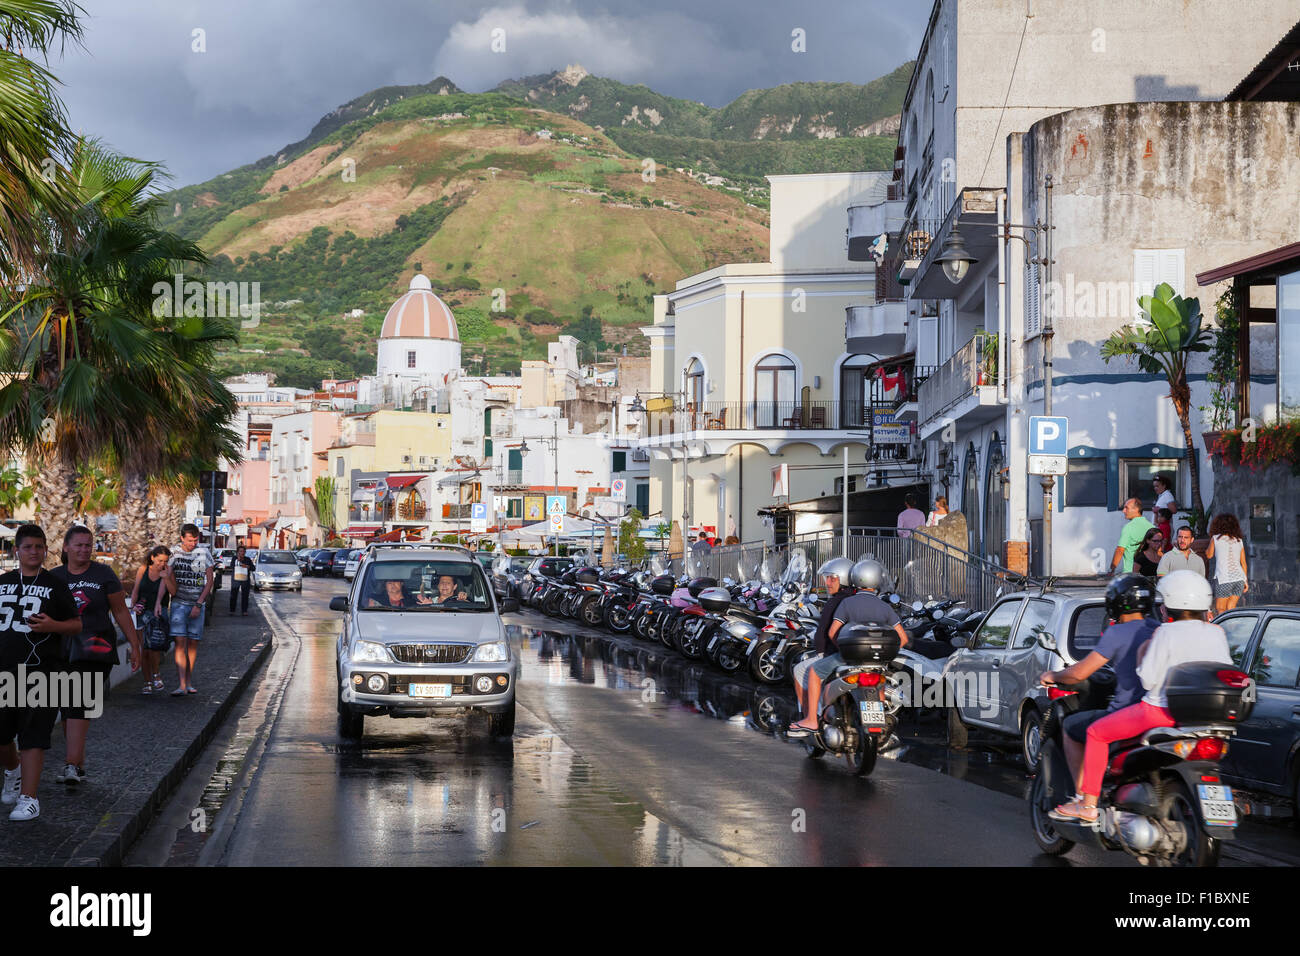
[
  {"x": 587, "y": 575},
  {"x": 715, "y": 600},
  {"x": 868, "y": 644},
  {"x": 1207, "y": 691},
  {"x": 664, "y": 584},
  {"x": 699, "y": 584}
]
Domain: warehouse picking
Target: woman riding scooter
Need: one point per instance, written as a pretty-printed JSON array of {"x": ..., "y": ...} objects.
[{"x": 835, "y": 574}]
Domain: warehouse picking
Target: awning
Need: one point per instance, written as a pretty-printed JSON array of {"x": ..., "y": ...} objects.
[
  {"x": 394, "y": 535},
  {"x": 402, "y": 481},
  {"x": 359, "y": 531}
]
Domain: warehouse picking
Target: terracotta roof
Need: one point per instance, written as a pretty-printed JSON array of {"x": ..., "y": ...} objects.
[{"x": 419, "y": 314}]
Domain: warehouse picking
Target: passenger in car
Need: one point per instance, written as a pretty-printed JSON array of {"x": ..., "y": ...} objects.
[
  {"x": 393, "y": 594},
  {"x": 448, "y": 590}
]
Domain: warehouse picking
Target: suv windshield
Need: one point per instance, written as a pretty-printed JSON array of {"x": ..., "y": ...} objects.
[
  {"x": 424, "y": 584},
  {"x": 276, "y": 557}
]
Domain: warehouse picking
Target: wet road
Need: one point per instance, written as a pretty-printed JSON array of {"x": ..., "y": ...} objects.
[{"x": 623, "y": 755}]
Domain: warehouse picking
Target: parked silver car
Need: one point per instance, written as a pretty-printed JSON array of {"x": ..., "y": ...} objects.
[
  {"x": 276, "y": 569},
  {"x": 422, "y": 636},
  {"x": 993, "y": 683}
]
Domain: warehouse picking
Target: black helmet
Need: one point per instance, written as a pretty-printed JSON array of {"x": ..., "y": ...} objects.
[{"x": 1128, "y": 594}]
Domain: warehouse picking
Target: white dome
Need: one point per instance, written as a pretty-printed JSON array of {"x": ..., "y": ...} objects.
[{"x": 419, "y": 314}]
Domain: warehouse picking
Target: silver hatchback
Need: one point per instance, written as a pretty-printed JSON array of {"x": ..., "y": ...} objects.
[
  {"x": 422, "y": 636},
  {"x": 993, "y": 683}
]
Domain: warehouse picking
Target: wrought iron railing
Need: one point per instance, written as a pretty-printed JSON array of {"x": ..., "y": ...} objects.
[{"x": 957, "y": 378}]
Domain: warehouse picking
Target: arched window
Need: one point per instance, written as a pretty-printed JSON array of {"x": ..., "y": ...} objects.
[
  {"x": 970, "y": 498},
  {"x": 855, "y": 391},
  {"x": 695, "y": 384},
  {"x": 774, "y": 391},
  {"x": 995, "y": 506}
]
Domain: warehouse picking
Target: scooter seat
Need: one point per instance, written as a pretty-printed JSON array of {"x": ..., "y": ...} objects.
[{"x": 933, "y": 650}]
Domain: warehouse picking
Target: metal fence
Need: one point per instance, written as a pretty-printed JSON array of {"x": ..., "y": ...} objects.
[{"x": 920, "y": 566}]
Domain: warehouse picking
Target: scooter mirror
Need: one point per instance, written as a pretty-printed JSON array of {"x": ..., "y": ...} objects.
[{"x": 917, "y": 606}]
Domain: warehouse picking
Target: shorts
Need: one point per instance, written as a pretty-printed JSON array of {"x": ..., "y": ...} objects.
[
  {"x": 800, "y": 673},
  {"x": 182, "y": 625},
  {"x": 1077, "y": 724},
  {"x": 100, "y": 688},
  {"x": 1223, "y": 589},
  {"x": 826, "y": 665},
  {"x": 31, "y": 725}
]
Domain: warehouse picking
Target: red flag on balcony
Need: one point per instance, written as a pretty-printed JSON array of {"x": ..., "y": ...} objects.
[{"x": 892, "y": 383}]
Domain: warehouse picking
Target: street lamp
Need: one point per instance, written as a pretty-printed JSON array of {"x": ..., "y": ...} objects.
[
  {"x": 639, "y": 407},
  {"x": 954, "y": 258},
  {"x": 553, "y": 444}
]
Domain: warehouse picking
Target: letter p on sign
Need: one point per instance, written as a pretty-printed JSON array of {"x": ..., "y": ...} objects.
[{"x": 1048, "y": 436}]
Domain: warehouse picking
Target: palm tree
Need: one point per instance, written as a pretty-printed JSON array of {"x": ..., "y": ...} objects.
[
  {"x": 1162, "y": 346},
  {"x": 33, "y": 127},
  {"x": 15, "y": 491}
]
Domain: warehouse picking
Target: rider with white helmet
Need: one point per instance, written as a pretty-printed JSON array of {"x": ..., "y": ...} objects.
[
  {"x": 864, "y": 607},
  {"x": 835, "y": 575},
  {"x": 1188, "y": 637}
]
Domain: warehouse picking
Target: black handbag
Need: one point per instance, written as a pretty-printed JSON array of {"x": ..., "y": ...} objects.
[{"x": 153, "y": 632}]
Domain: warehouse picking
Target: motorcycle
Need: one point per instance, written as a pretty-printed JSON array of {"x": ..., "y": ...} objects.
[
  {"x": 855, "y": 712},
  {"x": 1162, "y": 800}
]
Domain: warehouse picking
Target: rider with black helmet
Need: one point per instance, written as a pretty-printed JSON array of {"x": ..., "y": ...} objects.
[{"x": 1130, "y": 604}]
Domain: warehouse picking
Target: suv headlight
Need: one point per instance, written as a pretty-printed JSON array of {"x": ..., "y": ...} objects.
[
  {"x": 494, "y": 652},
  {"x": 369, "y": 652}
]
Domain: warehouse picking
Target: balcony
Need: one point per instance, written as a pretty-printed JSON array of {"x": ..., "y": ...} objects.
[
  {"x": 963, "y": 389},
  {"x": 879, "y": 329},
  {"x": 888, "y": 288},
  {"x": 915, "y": 241},
  {"x": 866, "y": 222},
  {"x": 410, "y": 510}
]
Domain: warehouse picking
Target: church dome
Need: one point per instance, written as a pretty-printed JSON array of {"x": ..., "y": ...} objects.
[{"x": 419, "y": 314}]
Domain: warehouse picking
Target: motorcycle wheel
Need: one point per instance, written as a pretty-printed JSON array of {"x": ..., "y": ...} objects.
[
  {"x": 691, "y": 642},
  {"x": 641, "y": 626},
  {"x": 728, "y": 658},
  {"x": 589, "y": 613},
  {"x": 862, "y": 759},
  {"x": 1179, "y": 812},
  {"x": 668, "y": 632},
  {"x": 551, "y": 604},
  {"x": 618, "y": 619},
  {"x": 1045, "y": 835},
  {"x": 765, "y": 665}
]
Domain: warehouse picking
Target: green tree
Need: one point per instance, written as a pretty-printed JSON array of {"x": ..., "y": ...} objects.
[
  {"x": 1172, "y": 333},
  {"x": 630, "y": 544},
  {"x": 15, "y": 491},
  {"x": 326, "y": 501}
]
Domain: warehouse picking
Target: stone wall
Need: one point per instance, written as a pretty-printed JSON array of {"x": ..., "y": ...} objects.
[{"x": 1274, "y": 565}]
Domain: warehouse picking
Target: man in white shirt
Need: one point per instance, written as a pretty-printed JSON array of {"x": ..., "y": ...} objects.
[{"x": 1181, "y": 557}]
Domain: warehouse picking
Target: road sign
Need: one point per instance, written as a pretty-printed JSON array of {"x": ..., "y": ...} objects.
[
  {"x": 1049, "y": 436},
  {"x": 1046, "y": 465},
  {"x": 618, "y": 490},
  {"x": 478, "y": 516},
  {"x": 556, "y": 505}
]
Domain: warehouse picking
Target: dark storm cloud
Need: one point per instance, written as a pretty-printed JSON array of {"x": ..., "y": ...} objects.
[{"x": 270, "y": 69}]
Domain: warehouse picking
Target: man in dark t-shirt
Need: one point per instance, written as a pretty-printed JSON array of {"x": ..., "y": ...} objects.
[{"x": 36, "y": 613}]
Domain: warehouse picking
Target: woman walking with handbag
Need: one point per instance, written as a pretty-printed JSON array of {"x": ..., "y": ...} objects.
[
  {"x": 100, "y": 599},
  {"x": 149, "y": 598}
]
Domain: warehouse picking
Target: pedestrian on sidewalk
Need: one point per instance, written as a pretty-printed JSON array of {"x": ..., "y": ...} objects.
[
  {"x": 1147, "y": 559},
  {"x": 939, "y": 513},
  {"x": 100, "y": 599},
  {"x": 1166, "y": 526},
  {"x": 911, "y": 517},
  {"x": 1130, "y": 539},
  {"x": 190, "y": 577},
  {"x": 1164, "y": 498},
  {"x": 241, "y": 577},
  {"x": 41, "y": 614},
  {"x": 1181, "y": 557},
  {"x": 1228, "y": 549},
  {"x": 149, "y": 598}
]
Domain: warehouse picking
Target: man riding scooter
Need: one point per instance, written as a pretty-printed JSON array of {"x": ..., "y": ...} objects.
[
  {"x": 835, "y": 574},
  {"x": 864, "y": 607},
  {"x": 1130, "y": 602}
]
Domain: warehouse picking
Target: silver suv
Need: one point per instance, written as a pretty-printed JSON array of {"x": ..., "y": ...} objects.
[{"x": 422, "y": 636}]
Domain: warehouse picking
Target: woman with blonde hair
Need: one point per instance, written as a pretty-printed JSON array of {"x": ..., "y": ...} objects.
[{"x": 939, "y": 513}]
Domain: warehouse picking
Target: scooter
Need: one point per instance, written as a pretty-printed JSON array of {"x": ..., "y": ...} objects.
[{"x": 1162, "y": 801}]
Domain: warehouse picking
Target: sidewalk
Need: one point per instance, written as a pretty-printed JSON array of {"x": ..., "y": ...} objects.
[{"x": 137, "y": 754}]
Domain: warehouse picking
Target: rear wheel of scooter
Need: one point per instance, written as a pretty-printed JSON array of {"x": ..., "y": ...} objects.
[
  {"x": 1045, "y": 835},
  {"x": 957, "y": 734},
  {"x": 590, "y": 614},
  {"x": 618, "y": 618},
  {"x": 691, "y": 640},
  {"x": 1179, "y": 812},
  {"x": 862, "y": 758},
  {"x": 765, "y": 665},
  {"x": 728, "y": 658},
  {"x": 551, "y": 605}
]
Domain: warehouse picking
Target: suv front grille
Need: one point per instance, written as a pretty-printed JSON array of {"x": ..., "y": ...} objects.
[{"x": 432, "y": 653}]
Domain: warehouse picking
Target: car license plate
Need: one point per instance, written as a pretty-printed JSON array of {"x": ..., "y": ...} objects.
[
  {"x": 873, "y": 712},
  {"x": 428, "y": 690},
  {"x": 1216, "y": 805}
]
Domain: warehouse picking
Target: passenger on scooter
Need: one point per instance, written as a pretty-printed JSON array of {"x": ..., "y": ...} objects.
[
  {"x": 1187, "y": 638},
  {"x": 863, "y": 607},
  {"x": 1130, "y": 604},
  {"x": 835, "y": 573}
]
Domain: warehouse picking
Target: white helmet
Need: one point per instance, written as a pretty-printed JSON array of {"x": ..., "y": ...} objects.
[
  {"x": 867, "y": 574},
  {"x": 838, "y": 568},
  {"x": 1185, "y": 591}
]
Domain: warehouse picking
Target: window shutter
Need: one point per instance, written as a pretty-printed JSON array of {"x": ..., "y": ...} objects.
[
  {"x": 1152, "y": 267},
  {"x": 620, "y": 461},
  {"x": 1033, "y": 311},
  {"x": 1170, "y": 269}
]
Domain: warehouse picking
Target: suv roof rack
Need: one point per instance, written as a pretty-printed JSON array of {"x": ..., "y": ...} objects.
[{"x": 412, "y": 545}]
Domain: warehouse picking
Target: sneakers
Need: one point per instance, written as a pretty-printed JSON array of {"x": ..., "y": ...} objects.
[
  {"x": 13, "y": 784},
  {"x": 72, "y": 774},
  {"x": 29, "y": 808}
]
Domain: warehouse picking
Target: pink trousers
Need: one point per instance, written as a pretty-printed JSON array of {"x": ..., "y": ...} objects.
[{"x": 1124, "y": 723}]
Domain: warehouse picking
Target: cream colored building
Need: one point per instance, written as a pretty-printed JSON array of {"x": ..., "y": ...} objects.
[
  {"x": 386, "y": 440},
  {"x": 750, "y": 369}
]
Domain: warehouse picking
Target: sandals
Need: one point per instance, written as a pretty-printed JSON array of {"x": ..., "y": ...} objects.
[
  {"x": 795, "y": 731},
  {"x": 1076, "y": 812},
  {"x": 179, "y": 692},
  {"x": 194, "y": 690}
]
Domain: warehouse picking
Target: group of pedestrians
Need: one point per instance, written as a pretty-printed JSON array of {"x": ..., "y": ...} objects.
[
  {"x": 912, "y": 517},
  {"x": 1146, "y": 547},
  {"x": 59, "y": 623}
]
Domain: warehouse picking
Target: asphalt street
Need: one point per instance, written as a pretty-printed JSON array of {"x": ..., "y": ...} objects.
[{"x": 623, "y": 755}]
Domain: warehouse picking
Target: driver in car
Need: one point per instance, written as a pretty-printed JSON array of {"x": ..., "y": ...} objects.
[
  {"x": 447, "y": 590},
  {"x": 394, "y": 595}
]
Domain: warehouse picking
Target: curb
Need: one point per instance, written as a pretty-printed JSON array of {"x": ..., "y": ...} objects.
[{"x": 135, "y": 809}]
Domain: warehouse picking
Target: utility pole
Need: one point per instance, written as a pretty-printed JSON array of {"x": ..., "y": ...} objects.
[{"x": 1048, "y": 482}]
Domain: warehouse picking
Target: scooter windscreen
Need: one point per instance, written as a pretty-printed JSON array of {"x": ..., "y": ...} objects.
[{"x": 797, "y": 578}]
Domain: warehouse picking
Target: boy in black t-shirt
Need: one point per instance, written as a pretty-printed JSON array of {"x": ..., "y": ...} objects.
[{"x": 36, "y": 612}]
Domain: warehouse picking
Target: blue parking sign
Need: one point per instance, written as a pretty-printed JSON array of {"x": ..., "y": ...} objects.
[{"x": 1049, "y": 435}]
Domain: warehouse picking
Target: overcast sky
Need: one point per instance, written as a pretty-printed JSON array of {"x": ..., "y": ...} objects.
[{"x": 272, "y": 68}]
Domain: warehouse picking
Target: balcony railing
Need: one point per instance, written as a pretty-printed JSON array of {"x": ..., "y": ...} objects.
[
  {"x": 899, "y": 384},
  {"x": 410, "y": 511},
  {"x": 917, "y": 236},
  {"x": 958, "y": 378},
  {"x": 799, "y": 416},
  {"x": 888, "y": 288}
]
